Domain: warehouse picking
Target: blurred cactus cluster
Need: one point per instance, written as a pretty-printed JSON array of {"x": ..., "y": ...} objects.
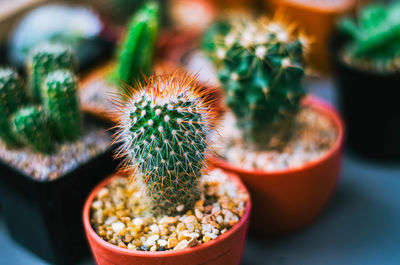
[
  {"x": 47, "y": 109},
  {"x": 375, "y": 37},
  {"x": 260, "y": 66}
]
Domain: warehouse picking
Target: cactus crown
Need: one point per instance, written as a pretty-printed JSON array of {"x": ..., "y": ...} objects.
[
  {"x": 375, "y": 38},
  {"x": 164, "y": 125},
  {"x": 60, "y": 99},
  {"x": 260, "y": 65},
  {"x": 137, "y": 52},
  {"x": 45, "y": 58},
  {"x": 54, "y": 113}
]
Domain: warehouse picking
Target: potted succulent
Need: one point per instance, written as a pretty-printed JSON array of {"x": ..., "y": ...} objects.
[
  {"x": 318, "y": 19},
  {"x": 285, "y": 146},
  {"x": 367, "y": 70},
  {"x": 51, "y": 155},
  {"x": 168, "y": 210}
]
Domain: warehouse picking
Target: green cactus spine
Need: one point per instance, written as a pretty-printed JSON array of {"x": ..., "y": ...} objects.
[
  {"x": 12, "y": 96},
  {"x": 44, "y": 59},
  {"x": 260, "y": 67},
  {"x": 375, "y": 37},
  {"x": 163, "y": 127},
  {"x": 61, "y": 103},
  {"x": 137, "y": 51},
  {"x": 32, "y": 128}
]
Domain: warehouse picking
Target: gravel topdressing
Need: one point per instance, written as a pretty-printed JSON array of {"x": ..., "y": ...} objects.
[
  {"x": 120, "y": 215},
  {"x": 314, "y": 134},
  {"x": 67, "y": 157}
]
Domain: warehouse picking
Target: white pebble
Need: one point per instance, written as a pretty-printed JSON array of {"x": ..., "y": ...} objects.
[{"x": 118, "y": 226}]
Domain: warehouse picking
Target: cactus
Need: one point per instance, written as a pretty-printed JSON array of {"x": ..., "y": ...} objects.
[
  {"x": 375, "y": 36},
  {"x": 163, "y": 127},
  {"x": 61, "y": 103},
  {"x": 12, "y": 96},
  {"x": 32, "y": 128},
  {"x": 260, "y": 65},
  {"x": 137, "y": 51},
  {"x": 44, "y": 59}
]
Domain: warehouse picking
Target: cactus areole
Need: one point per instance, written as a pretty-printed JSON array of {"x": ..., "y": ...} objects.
[
  {"x": 163, "y": 127},
  {"x": 260, "y": 65}
]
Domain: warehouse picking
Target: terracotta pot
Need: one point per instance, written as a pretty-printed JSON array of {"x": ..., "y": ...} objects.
[
  {"x": 287, "y": 200},
  {"x": 225, "y": 249},
  {"x": 318, "y": 20}
]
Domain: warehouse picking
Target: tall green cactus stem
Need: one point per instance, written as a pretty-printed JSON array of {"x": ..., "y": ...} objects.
[
  {"x": 260, "y": 65},
  {"x": 12, "y": 96},
  {"x": 44, "y": 59},
  {"x": 375, "y": 36},
  {"x": 61, "y": 103},
  {"x": 164, "y": 125},
  {"x": 32, "y": 128},
  {"x": 137, "y": 51}
]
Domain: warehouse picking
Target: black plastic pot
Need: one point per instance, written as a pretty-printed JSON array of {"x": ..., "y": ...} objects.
[
  {"x": 370, "y": 106},
  {"x": 45, "y": 216}
]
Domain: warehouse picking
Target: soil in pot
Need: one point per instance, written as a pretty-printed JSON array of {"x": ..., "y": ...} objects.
[
  {"x": 67, "y": 156},
  {"x": 314, "y": 134},
  {"x": 120, "y": 216}
]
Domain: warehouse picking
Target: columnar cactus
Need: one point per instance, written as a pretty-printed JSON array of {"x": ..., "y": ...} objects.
[
  {"x": 164, "y": 125},
  {"x": 44, "y": 59},
  {"x": 32, "y": 128},
  {"x": 61, "y": 103},
  {"x": 260, "y": 65},
  {"x": 12, "y": 96},
  {"x": 376, "y": 36},
  {"x": 137, "y": 51}
]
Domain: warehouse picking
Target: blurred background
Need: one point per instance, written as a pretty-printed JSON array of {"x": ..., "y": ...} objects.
[{"x": 361, "y": 224}]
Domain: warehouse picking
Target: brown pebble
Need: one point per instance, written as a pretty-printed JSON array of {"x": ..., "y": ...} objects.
[
  {"x": 190, "y": 219},
  {"x": 122, "y": 245},
  {"x": 193, "y": 242},
  {"x": 170, "y": 220},
  {"x": 128, "y": 238},
  {"x": 181, "y": 245},
  {"x": 172, "y": 242}
]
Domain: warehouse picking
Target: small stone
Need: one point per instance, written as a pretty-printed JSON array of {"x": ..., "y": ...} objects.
[
  {"x": 172, "y": 242},
  {"x": 117, "y": 227},
  {"x": 153, "y": 248},
  {"x": 181, "y": 245},
  {"x": 170, "y": 220},
  {"x": 193, "y": 242},
  {"x": 102, "y": 193},
  {"x": 198, "y": 213},
  {"x": 122, "y": 245},
  {"x": 190, "y": 220},
  {"x": 161, "y": 248},
  {"x": 162, "y": 242},
  {"x": 180, "y": 208},
  {"x": 144, "y": 248}
]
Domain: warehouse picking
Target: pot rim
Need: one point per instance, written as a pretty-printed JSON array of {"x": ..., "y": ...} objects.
[
  {"x": 319, "y": 8},
  {"x": 161, "y": 254},
  {"x": 321, "y": 106}
]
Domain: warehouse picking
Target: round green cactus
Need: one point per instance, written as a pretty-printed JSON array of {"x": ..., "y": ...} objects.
[
  {"x": 44, "y": 59},
  {"x": 61, "y": 103},
  {"x": 12, "y": 96},
  {"x": 260, "y": 65},
  {"x": 375, "y": 36},
  {"x": 32, "y": 128},
  {"x": 164, "y": 125}
]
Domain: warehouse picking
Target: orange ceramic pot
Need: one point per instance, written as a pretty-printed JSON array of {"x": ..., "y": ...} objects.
[
  {"x": 317, "y": 19},
  {"x": 290, "y": 199},
  {"x": 225, "y": 249}
]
